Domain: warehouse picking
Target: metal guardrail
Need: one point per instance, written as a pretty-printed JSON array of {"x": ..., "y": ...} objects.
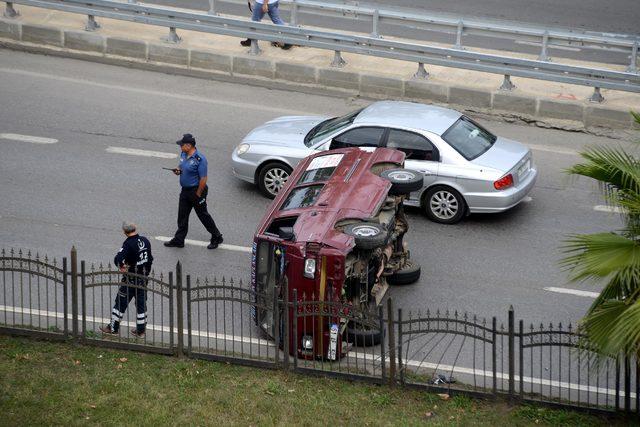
[{"x": 175, "y": 18}]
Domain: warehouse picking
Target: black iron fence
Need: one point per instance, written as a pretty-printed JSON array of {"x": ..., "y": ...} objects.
[{"x": 226, "y": 320}]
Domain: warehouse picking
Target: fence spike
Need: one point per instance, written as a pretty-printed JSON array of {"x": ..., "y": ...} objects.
[
  {"x": 560, "y": 326},
  {"x": 447, "y": 313},
  {"x": 437, "y": 313},
  {"x": 570, "y": 327},
  {"x": 241, "y": 284},
  {"x": 3, "y": 253},
  {"x": 456, "y": 314},
  {"x": 231, "y": 281},
  {"x": 161, "y": 276},
  {"x": 541, "y": 326},
  {"x": 550, "y": 326},
  {"x": 46, "y": 259},
  {"x": 20, "y": 253},
  {"x": 224, "y": 281},
  {"x": 12, "y": 253}
]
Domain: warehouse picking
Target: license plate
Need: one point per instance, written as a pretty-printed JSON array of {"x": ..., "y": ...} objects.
[{"x": 524, "y": 168}]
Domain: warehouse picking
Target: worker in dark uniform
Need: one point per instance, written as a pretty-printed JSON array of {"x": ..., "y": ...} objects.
[
  {"x": 193, "y": 180},
  {"x": 134, "y": 259}
]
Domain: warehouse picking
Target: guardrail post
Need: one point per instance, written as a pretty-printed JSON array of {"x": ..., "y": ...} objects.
[
  {"x": 458, "y": 44},
  {"x": 596, "y": 96},
  {"x": 179, "y": 309},
  {"x": 212, "y": 7},
  {"x": 633, "y": 65},
  {"x": 9, "y": 11},
  {"x": 294, "y": 14},
  {"x": 375, "y": 19},
  {"x": 507, "y": 84},
  {"x": 511, "y": 354},
  {"x": 422, "y": 73},
  {"x": 545, "y": 44},
  {"x": 338, "y": 61},
  {"x": 92, "y": 24},
  {"x": 74, "y": 292},
  {"x": 255, "y": 49},
  {"x": 173, "y": 36}
]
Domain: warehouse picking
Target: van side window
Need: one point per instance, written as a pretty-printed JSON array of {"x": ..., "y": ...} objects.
[
  {"x": 415, "y": 146},
  {"x": 358, "y": 137}
]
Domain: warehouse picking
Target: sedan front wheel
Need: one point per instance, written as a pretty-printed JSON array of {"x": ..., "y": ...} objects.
[{"x": 444, "y": 205}]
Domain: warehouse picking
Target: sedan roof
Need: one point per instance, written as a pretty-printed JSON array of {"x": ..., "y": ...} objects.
[{"x": 409, "y": 115}]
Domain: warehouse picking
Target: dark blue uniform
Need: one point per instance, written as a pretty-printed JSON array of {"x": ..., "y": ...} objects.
[
  {"x": 193, "y": 168},
  {"x": 136, "y": 254}
]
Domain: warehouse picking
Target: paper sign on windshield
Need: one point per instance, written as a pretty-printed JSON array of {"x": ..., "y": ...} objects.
[{"x": 328, "y": 161}]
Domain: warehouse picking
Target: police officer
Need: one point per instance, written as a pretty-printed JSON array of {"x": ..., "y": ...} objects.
[
  {"x": 134, "y": 259},
  {"x": 193, "y": 179}
]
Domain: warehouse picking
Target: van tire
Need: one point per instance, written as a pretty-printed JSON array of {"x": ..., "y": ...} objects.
[
  {"x": 367, "y": 235},
  {"x": 363, "y": 337},
  {"x": 403, "y": 181},
  {"x": 406, "y": 276}
]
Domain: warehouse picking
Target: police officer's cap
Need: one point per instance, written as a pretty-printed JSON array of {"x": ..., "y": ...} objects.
[{"x": 187, "y": 138}]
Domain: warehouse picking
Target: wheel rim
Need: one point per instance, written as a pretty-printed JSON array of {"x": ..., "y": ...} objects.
[
  {"x": 274, "y": 180},
  {"x": 444, "y": 205},
  {"x": 402, "y": 176},
  {"x": 365, "y": 231}
]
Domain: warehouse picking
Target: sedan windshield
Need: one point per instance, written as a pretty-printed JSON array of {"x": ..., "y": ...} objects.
[
  {"x": 328, "y": 127},
  {"x": 469, "y": 138}
]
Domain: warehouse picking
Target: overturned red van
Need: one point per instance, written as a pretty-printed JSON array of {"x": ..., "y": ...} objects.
[{"x": 335, "y": 233}]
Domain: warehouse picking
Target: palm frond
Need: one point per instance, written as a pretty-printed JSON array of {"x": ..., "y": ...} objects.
[
  {"x": 614, "y": 327},
  {"x": 597, "y": 256},
  {"x": 614, "y": 168}
]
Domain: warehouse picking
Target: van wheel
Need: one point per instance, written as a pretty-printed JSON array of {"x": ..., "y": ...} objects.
[
  {"x": 362, "y": 336},
  {"x": 367, "y": 235},
  {"x": 444, "y": 205},
  {"x": 405, "y": 276},
  {"x": 272, "y": 177},
  {"x": 403, "y": 181}
]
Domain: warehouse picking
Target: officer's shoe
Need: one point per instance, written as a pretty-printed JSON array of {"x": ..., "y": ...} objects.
[
  {"x": 137, "y": 334},
  {"x": 215, "y": 241},
  {"x": 174, "y": 244},
  {"x": 106, "y": 329}
]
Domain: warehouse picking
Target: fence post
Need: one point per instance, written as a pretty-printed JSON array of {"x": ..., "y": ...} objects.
[
  {"x": 286, "y": 338},
  {"x": 617, "y": 383},
  {"x": 276, "y": 323},
  {"x": 65, "y": 296},
  {"x": 627, "y": 385},
  {"x": 511, "y": 354},
  {"x": 84, "y": 300},
  {"x": 295, "y": 329},
  {"x": 494, "y": 339},
  {"x": 392, "y": 343},
  {"x": 171, "y": 302},
  {"x": 383, "y": 356},
  {"x": 189, "y": 315},
  {"x": 400, "y": 346},
  {"x": 521, "y": 357},
  {"x": 74, "y": 292},
  {"x": 179, "y": 308}
]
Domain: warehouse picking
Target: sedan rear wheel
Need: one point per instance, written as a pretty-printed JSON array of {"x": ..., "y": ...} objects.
[
  {"x": 273, "y": 176},
  {"x": 444, "y": 205}
]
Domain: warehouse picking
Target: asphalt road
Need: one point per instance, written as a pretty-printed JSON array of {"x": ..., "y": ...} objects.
[
  {"x": 619, "y": 16},
  {"x": 76, "y": 192}
]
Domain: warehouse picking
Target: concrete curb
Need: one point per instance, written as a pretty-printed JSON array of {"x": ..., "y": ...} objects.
[{"x": 263, "y": 71}]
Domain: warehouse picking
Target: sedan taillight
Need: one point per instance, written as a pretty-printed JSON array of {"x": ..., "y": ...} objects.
[{"x": 504, "y": 182}]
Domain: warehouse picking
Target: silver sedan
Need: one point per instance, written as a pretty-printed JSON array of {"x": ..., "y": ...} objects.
[{"x": 466, "y": 168}]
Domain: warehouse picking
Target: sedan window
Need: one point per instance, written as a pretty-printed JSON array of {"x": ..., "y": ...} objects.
[
  {"x": 469, "y": 138},
  {"x": 416, "y": 147},
  {"x": 358, "y": 137},
  {"x": 322, "y": 129},
  {"x": 302, "y": 197}
]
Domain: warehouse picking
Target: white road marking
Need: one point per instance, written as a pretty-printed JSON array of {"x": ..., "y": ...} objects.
[
  {"x": 609, "y": 209},
  {"x": 204, "y": 244},
  {"x": 537, "y": 44},
  {"x": 144, "y": 153},
  {"x": 242, "y": 105},
  {"x": 28, "y": 138},
  {"x": 573, "y": 292},
  {"x": 556, "y": 150},
  {"x": 352, "y": 354}
]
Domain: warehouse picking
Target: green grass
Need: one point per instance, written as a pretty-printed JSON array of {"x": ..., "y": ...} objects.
[{"x": 44, "y": 383}]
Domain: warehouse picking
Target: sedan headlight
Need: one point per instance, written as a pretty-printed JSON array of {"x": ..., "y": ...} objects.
[
  {"x": 242, "y": 148},
  {"x": 309, "y": 267}
]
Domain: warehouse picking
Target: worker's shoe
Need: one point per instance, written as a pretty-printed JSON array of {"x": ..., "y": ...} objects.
[
  {"x": 173, "y": 243},
  {"x": 106, "y": 329},
  {"x": 215, "y": 241},
  {"x": 246, "y": 42},
  {"x": 138, "y": 334}
]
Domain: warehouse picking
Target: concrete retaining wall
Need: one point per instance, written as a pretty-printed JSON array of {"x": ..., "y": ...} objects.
[{"x": 262, "y": 70}]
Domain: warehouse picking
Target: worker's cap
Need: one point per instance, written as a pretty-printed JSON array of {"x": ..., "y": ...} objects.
[{"x": 187, "y": 138}]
